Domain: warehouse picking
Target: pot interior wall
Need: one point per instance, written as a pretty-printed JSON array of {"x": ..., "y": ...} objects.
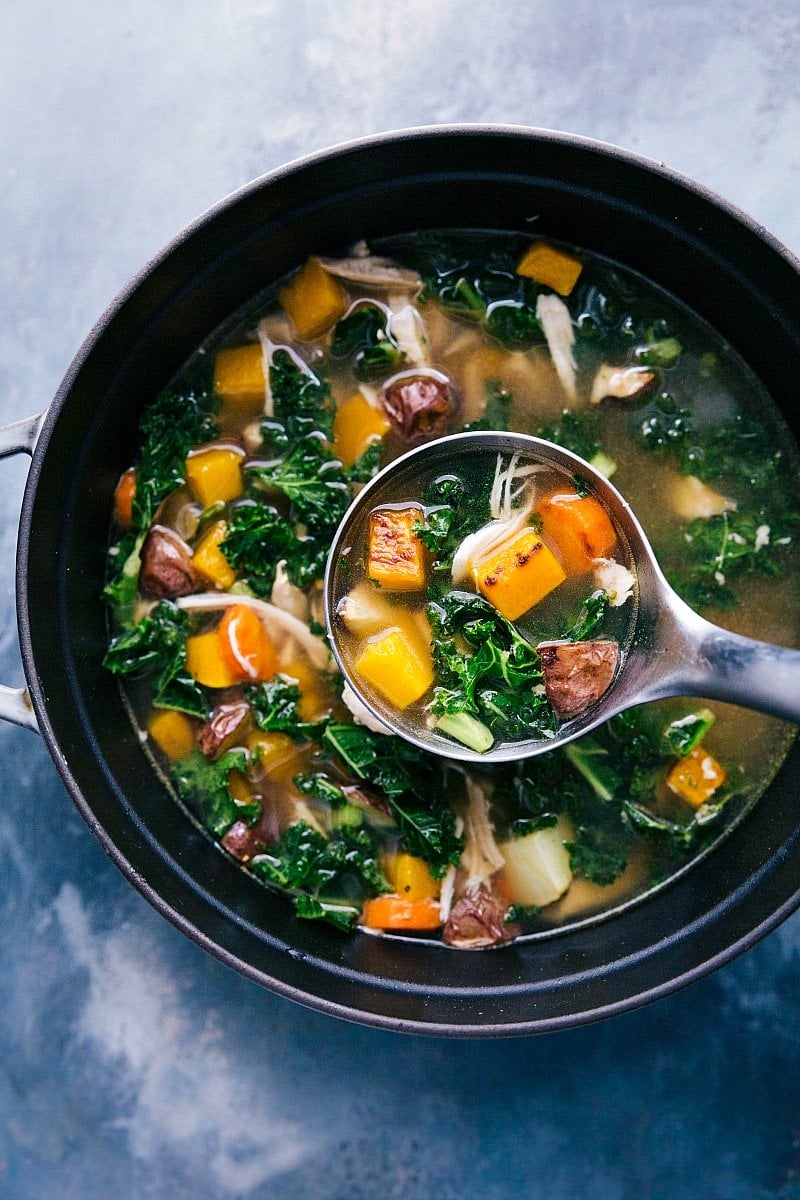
[{"x": 563, "y": 189}]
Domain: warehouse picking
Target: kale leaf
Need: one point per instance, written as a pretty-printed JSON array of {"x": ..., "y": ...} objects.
[
  {"x": 328, "y": 877},
  {"x": 412, "y": 785},
  {"x": 497, "y": 413},
  {"x": 203, "y": 785},
  {"x": 313, "y": 481},
  {"x": 258, "y": 538},
  {"x": 301, "y": 402},
  {"x": 274, "y": 705},
  {"x": 364, "y": 336},
  {"x": 157, "y": 644}
]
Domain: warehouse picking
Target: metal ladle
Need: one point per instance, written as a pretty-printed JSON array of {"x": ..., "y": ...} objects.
[{"x": 669, "y": 651}]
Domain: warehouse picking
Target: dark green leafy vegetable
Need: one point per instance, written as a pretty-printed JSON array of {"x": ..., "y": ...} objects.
[
  {"x": 274, "y": 705},
  {"x": 366, "y": 465},
  {"x": 364, "y": 336},
  {"x": 453, "y": 511},
  {"x": 329, "y": 877},
  {"x": 258, "y": 538},
  {"x": 312, "y": 479},
  {"x": 497, "y": 413},
  {"x": 514, "y": 324},
  {"x": 732, "y": 545},
  {"x": 301, "y": 402},
  {"x": 157, "y": 645},
  {"x": 412, "y": 785},
  {"x": 319, "y": 785},
  {"x": 590, "y": 618},
  {"x": 203, "y": 785}
]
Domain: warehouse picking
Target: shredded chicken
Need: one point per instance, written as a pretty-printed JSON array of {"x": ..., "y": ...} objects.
[
  {"x": 507, "y": 520},
  {"x": 691, "y": 498},
  {"x": 553, "y": 316},
  {"x": 287, "y": 595},
  {"x": 615, "y": 579},
  {"x": 360, "y": 713},
  {"x": 481, "y": 858},
  {"x": 408, "y": 330},
  {"x": 315, "y": 647}
]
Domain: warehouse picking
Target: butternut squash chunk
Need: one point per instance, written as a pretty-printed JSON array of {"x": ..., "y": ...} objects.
[
  {"x": 696, "y": 777},
  {"x": 209, "y": 559},
  {"x": 550, "y": 267},
  {"x": 313, "y": 300},
  {"x": 519, "y": 575},
  {"x": 205, "y": 661},
  {"x": 239, "y": 377},
  {"x": 173, "y": 732},
  {"x": 410, "y": 877},
  {"x": 215, "y": 473},
  {"x": 396, "y": 555},
  {"x": 399, "y": 670},
  {"x": 357, "y": 423}
]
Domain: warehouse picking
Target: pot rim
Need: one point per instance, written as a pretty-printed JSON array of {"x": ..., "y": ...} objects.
[{"x": 400, "y": 136}]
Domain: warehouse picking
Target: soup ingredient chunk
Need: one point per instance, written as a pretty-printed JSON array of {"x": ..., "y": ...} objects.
[
  {"x": 396, "y": 554},
  {"x": 313, "y": 300},
  {"x": 579, "y": 527},
  {"x": 696, "y": 777},
  {"x": 399, "y": 668},
  {"x": 209, "y": 559},
  {"x": 172, "y": 732},
  {"x": 478, "y": 919},
  {"x": 215, "y": 474},
  {"x": 419, "y": 403},
  {"x": 577, "y": 674},
  {"x": 553, "y": 268},
  {"x": 537, "y": 869},
  {"x": 519, "y": 575},
  {"x": 239, "y": 376},
  {"x": 245, "y": 644},
  {"x": 356, "y": 426},
  {"x": 167, "y": 569},
  {"x": 398, "y": 912},
  {"x": 621, "y": 383}
]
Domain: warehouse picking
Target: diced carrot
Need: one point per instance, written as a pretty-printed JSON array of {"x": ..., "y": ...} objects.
[
  {"x": 239, "y": 377},
  {"x": 314, "y": 300},
  {"x": 396, "y": 555},
  {"x": 519, "y": 575},
  {"x": 173, "y": 732},
  {"x": 205, "y": 663},
  {"x": 357, "y": 423},
  {"x": 579, "y": 527},
  {"x": 209, "y": 559},
  {"x": 124, "y": 496},
  {"x": 410, "y": 877},
  {"x": 551, "y": 267},
  {"x": 398, "y": 912},
  {"x": 696, "y": 777},
  {"x": 245, "y": 645},
  {"x": 215, "y": 473},
  {"x": 401, "y": 670}
]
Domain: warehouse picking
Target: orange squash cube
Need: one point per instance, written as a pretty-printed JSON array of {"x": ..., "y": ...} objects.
[
  {"x": 411, "y": 877},
  {"x": 239, "y": 377},
  {"x": 550, "y": 267},
  {"x": 314, "y": 300},
  {"x": 398, "y": 912},
  {"x": 315, "y": 697},
  {"x": 209, "y": 559},
  {"x": 401, "y": 671},
  {"x": 206, "y": 663},
  {"x": 357, "y": 423},
  {"x": 519, "y": 575},
  {"x": 396, "y": 555},
  {"x": 579, "y": 527},
  {"x": 696, "y": 777},
  {"x": 173, "y": 732},
  {"x": 215, "y": 473}
]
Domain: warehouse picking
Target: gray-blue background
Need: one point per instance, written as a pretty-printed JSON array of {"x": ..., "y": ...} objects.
[{"x": 132, "y": 1066}]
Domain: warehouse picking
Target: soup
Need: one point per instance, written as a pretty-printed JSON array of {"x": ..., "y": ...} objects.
[
  {"x": 490, "y": 603},
  {"x": 222, "y": 526}
]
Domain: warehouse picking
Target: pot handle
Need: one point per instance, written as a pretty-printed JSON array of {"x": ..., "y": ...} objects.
[{"x": 19, "y": 438}]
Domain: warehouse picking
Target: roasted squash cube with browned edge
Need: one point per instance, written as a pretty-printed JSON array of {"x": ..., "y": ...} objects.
[
  {"x": 519, "y": 575},
  {"x": 397, "y": 559}
]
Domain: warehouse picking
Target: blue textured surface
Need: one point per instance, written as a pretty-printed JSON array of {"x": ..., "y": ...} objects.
[{"x": 131, "y": 1064}]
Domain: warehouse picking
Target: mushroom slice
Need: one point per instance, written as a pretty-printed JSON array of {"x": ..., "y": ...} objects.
[
  {"x": 621, "y": 383},
  {"x": 373, "y": 271},
  {"x": 577, "y": 674}
]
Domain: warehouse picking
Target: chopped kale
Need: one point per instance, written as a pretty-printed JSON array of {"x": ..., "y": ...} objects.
[
  {"x": 364, "y": 336},
  {"x": 497, "y": 413},
  {"x": 514, "y": 324},
  {"x": 258, "y": 538},
  {"x": 328, "y": 877},
  {"x": 593, "y": 863},
  {"x": 274, "y": 704},
  {"x": 203, "y": 785},
  {"x": 366, "y": 465},
  {"x": 312, "y": 480},
  {"x": 590, "y": 618},
  {"x": 301, "y": 402},
  {"x": 157, "y": 645}
]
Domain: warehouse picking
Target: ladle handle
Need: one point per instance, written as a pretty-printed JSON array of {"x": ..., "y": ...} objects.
[{"x": 726, "y": 666}]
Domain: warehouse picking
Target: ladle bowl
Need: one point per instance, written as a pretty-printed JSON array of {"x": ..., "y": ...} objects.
[{"x": 669, "y": 650}]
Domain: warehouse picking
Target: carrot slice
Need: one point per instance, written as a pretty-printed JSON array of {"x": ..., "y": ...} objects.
[
  {"x": 245, "y": 645},
  {"x": 579, "y": 527},
  {"x": 397, "y": 912},
  {"x": 124, "y": 496}
]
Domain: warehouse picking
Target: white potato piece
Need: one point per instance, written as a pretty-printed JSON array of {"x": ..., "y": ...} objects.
[{"x": 537, "y": 869}]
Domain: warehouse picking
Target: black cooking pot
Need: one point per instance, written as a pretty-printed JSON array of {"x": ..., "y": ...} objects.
[{"x": 565, "y": 188}]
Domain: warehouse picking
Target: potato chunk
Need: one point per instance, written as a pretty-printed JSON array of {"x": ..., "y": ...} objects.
[
  {"x": 401, "y": 671},
  {"x": 537, "y": 869},
  {"x": 519, "y": 575},
  {"x": 396, "y": 555}
]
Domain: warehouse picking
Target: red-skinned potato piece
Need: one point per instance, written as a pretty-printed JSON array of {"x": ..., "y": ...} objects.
[
  {"x": 167, "y": 570},
  {"x": 478, "y": 920},
  {"x": 576, "y": 674},
  {"x": 228, "y": 720},
  {"x": 419, "y": 403}
]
